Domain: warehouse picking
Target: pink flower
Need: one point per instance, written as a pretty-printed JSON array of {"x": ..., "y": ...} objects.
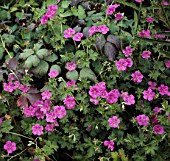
[
  {"x": 94, "y": 91},
  {"x": 70, "y": 102},
  {"x": 11, "y": 76},
  {"x": 111, "y": 9},
  {"x": 103, "y": 29},
  {"x": 50, "y": 13},
  {"x": 16, "y": 84},
  {"x": 112, "y": 97},
  {"x": 101, "y": 86},
  {"x": 93, "y": 30},
  {"x": 139, "y": 1},
  {"x": 154, "y": 119},
  {"x": 71, "y": 66},
  {"x": 104, "y": 94},
  {"x": 8, "y": 87},
  {"x": 159, "y": 36},
  {"x": 69, "y": 33},
  {"x": 94, "y": 100},
  {"x": 146, "y": 54},
  {"x": 121, "y": 64},
  {"x": 142, "y": 120},
  {"x": 24, "y": 88},
  {"x": 157, "y": 110},
  {"x": 152, "y": 85},
  {"x": 167, "y": 64},
  {"x": 44, "y": 19},
  {"x": 165, "y": 3},
  {"x": 78, "y": 36},
  {"x": 53, "y": 7},
  {"x": 163, "y": 89},
  {"x": 130, "y": 100},
  {"x": 118, "y": 16},
  {"x": 1, "y": 120},
  {"x": 137, "y": 76},
  {"x": 37, "y": 129},
  {"x": 110, "y": 144},
  {"x": 129, "y": 62},
  {"x": 29, "y": 111},
  {"x": 158, "y": 129},
  {"x": 46, "y": 95},
  {"x": 127, "y": 51},
  {"x": 114, "y": 122},
  {"x": 53, "y": 73},
  {"x": 148, "y": 94},
  {"x": 149, "y": 19},
  {"x": 144, "y": 33},
  {"x": 10, "y": 146},
  {"x": 51, "y": 116},
  {"x": 60, "y": 111},
  {"x": 71, "y": 83},
  {"x": 49, "y": 128}
]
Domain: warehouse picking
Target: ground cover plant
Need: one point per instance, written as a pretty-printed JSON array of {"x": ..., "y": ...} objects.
[{"x": 84, "y": 80}]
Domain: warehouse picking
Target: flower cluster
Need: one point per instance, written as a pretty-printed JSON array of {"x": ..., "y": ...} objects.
[
  {"x": 109, "y": 144},
  {"x": 122, "y": 64},
  {"x": 49, "y": 14},
  {"x": 102, "y": 29},
  {"x": 70, "y": 32}
]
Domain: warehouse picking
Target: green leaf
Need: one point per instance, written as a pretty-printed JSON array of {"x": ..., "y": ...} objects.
[
  {"x": 26, "y": 53},
  {"x": 66, "y": 14},
  {"x": 51, "y": 58},
  {"x": 37, "y": 46},
  {"x": 72, "y": 75},
  {"x": 81, "y": 13},
  {"x": 8, "y": 38},
  {"x": 87, "y": 73},
  {"x": 6, "y": 126},
  {"x": 65, "y": 4},
  {"x": 41, "y": 69},
  {"x": 4, "y": 15},
  {"x": 32, "y": 60},
  {"x": 42, "y": 53},
  {"x": 56, "y": 67}
]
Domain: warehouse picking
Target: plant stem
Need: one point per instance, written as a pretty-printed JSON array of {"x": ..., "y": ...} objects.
[{"x": 21, "y": 135}]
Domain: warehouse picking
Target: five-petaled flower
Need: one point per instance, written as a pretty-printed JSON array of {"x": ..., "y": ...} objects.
[{"x": 10, "y": 146}]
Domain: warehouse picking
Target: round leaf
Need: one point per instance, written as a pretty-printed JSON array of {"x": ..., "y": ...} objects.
[
  {"x": 72, "y": 75},
  {"x": 32, "y": 60},
  {"x": 88, "y": 74},
  {"x": 42, "y": 53}
]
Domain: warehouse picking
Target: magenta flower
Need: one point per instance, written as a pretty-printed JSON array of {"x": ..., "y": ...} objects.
[
  {"x": 103, "y": 29},
  {"x": 109, "y": 144},
  {"x": 121, "y": 64},
  {"x": 152, "y": 85},
  {"x": 69, "y": 33},
  {"x": 165, "y": 3},
  {"x": 148, "y": 94},
  {"x": 114, "y": 122},
  {"x": 144, "y": 33},
  {"x": 94, "y": 91},
  {"x": 127, "y": 51},
  {"x": 53, "y": 7},
  {"x": 130, "y": 100},
  {"x": 167, "y": 64},
  {"x": 37, "y": 129},
  {"x": 158, "y": 129},
  {"x": 112, "y": 97},
  {"x": 11, "y": 76},
  {"x": 49, "y": 128},
  {"x": 118, "y": 16},
  {"x": 159, "y": 36},
  {"x": 139, "y": 1},
  {"x": 53, "y": 73},
  {"x": 8, "y": 87},
  {"x": 101, "y": 86},
  {"x": 163, "y": 90},
  {"x": 16, "y": 85},
  {"x": 44, "y": 19},
  {"x": 111, "y": 9},
  {"x": 71, "y": 83},
  {"x": 1, "y": 120},
  {"x": 51, "y": 116},
  {"x": 146, "y": 54},
  {"x": 157, "y": 110},
  {"x": 137, "y": 76},
  {"x": 142, "y": 120},
  {"x": 70, "y": 102},
  {"x": 46, "y": 95},
  {"x": 45, "y": 108},
  {"x": 39, "y": 115},
  {"x": 149, "y": 19},
  {"x": 24, "y": 88},
  {"x": 78, "y": 36},
  {"x": 50, "y": 13},
  {"x": 60, "y": 111},
  {"x": 10, "y": 146},
  {"x": 94, "y": 100},
  {"x": 104, "y": 94},
  {"x": 29, "y": 111},
  {"x": 93, "y": 30},
  {"x": 154, "y": 119},
  {"x": 129, "y": 62},
  {"x": 71, "y": 66}
]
